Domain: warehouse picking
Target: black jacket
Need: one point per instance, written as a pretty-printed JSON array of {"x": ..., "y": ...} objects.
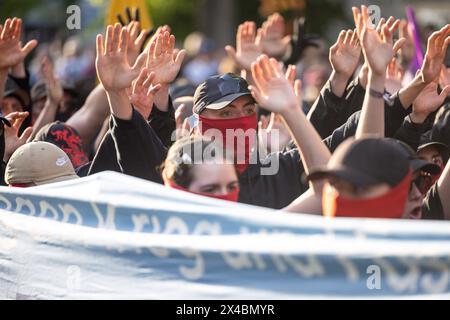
[
  {"x": 330, "y": 112},
  {"x": 139, "y": 152},
  {"x": 106, "y": 157}
]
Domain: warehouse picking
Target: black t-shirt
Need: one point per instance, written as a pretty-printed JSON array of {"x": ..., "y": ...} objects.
[{"x": 432, "y": 206}]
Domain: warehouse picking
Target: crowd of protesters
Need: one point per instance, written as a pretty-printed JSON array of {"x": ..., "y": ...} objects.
[{"x": 375, "y": 142}]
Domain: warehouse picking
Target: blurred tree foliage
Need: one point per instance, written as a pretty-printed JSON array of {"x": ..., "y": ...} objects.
[
  {"x": 180, "y": 15},
  {"x": 18, "y": 8}
]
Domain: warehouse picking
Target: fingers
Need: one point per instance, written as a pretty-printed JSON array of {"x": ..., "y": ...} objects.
[
  {"x": 179, "y": 115},
  {"x": 341, "y": 37},
  {"x": 356, "y": 15},
  {"x": 257, "y": 95},
  {"x": 140, "y": 61},
  {"x": 123, "y": 40},
  {"x": 153, "y": 89},
  {"x": 291, "y": 74},
  {"x": 109, "y": 39},
  {"x": 298, "y": 89},
  {"x": 99, "y": 46},
  {"x": 140, "y": 80},
  {"x": 398, "y": 44}
]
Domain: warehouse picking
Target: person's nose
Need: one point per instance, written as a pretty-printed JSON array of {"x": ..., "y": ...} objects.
[
  {"x": 415, "y": 193},
  {"x": 223, "y": 190}
]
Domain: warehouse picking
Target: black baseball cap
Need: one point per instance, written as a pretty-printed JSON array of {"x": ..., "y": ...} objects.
[
  {"x": 366, "y": 162},
  {"x": 219, "y": 91},
  {"x": 426, "y": 141},
  {"x": 415, "y": 162}
]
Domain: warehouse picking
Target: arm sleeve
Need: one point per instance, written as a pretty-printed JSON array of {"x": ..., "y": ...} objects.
[
  {"x": 328, "y": 111},
  {"x": 410, "y": 133},
  {"x": 163, "y": 123},
  {"x": 139, "y": 150}
]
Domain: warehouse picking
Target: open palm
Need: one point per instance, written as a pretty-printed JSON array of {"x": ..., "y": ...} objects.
[
  {"x": 11, "y": 50},
  {"x": 345, "y": 53},
  {"x": 163, "y": 60},
  {"x": 434, "y": 57},
  {"x": 112, "y": 64},
  {"x": 273, "y": 91}
]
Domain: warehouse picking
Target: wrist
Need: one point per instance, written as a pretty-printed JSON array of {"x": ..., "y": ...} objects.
[
  {"x": 338, "y": 82},
  {"x": 161, "y": 99},
  {"x": 375, "y": 81},
  {"x": 119, "y": 104},
  {"x": 417, "y": 118},
  {"x": 291, "y": 111}
]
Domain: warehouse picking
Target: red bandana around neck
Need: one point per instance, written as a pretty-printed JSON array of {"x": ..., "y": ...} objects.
[
  {"x": 389, "y": 205},
  {"x": 241, "y": 153}
]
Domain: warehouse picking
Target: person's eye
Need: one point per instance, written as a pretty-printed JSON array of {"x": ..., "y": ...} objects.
[
  {"x": 226, "y": 114},
  {"x": 233, "y": 186}
]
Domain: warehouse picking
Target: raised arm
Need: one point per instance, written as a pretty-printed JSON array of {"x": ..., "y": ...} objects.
[
  {"x": 431, "y": 66},
  {"x": 165, "y": 62},
  {"x": 12, "y": 53},
  {"x": 248, "y": 49},
  {"x": 90, "y": 117},
  {"x": 378, "y": 50},
  {"x": 274, "y": 93},
  {"x": 55, "y": 95}
]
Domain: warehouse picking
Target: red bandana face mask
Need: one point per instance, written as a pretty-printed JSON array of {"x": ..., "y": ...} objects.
[
  {"x": 232, "y": 196},
  {"x": 239, "y": 129},
  {"x": 389, "y": 205}
]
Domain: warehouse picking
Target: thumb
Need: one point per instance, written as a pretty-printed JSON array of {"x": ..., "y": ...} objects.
[
  {"x": 178, "y": 115},
  {"x": 445, "y": 92},
  {"x": 29, "y": 46},
  {"x": 398, "y": 44},
  {"x": 231, "y": 52},
  {"x": 180, "y": 57},
  {"x": 25, "y": 135},
  {"x": 286, "y": 40},
  {"x": 139, "y": 62}
]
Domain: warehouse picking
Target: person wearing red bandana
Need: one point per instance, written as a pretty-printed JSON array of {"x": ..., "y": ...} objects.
[{"x": 198, "y": 165}]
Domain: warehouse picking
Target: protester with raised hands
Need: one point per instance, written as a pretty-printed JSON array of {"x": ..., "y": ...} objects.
[
  {"x": 274, "y": 42},
  {"x": 132, "y": 143},
  {"x": 378, "y": 50},
  {"x": 248, "y": 46},
  {"x": 274, "y": 93}
]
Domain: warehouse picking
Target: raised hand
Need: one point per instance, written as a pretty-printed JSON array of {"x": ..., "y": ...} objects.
[
  {"x": 394, "y": 77},
  {"x": 55, "y": 92},
  {"x": 163, "y": 60},
  {"x": 273, "y": 41},
  {"x": 11, "y": 50},
  {"x": 345, "y": 53},
  {"x": 12, "y": 139},
  {"x": 248, "y": 48},
  {"x": 143, "y": 93},
  {"x": 136, "y": 40},
  {"x": 434, "y": 57},
  {"x": 112, "y": 65},
  {"x": 428, "y": 101},
  {"x": 273, "y": 91},
  {"x": 377, "y": 47}
]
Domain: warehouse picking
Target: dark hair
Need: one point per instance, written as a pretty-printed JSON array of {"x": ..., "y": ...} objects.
[{"x": 185, "y": 154}]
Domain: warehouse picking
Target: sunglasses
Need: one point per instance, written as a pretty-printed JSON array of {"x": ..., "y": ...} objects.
[{"x": 423, "y": 182}]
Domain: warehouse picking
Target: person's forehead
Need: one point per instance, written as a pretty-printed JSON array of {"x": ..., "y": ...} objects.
[
  {"x": 429, "y": 150},
  {"x": 241, "y": 102}
]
